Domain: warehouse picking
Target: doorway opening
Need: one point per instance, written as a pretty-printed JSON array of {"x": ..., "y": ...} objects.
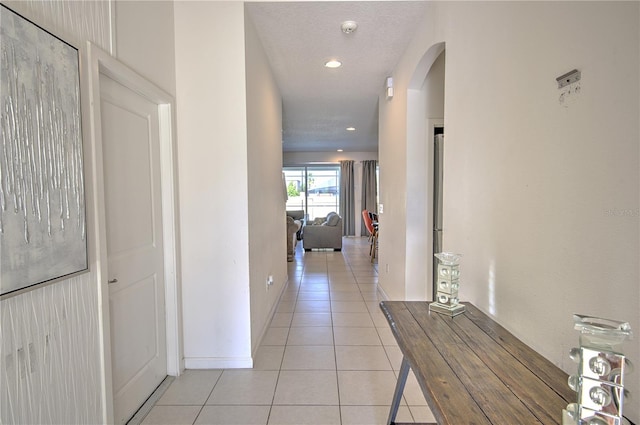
[
  {"x": 438, "y": 164},
  {"x": 425, "y": 123}
]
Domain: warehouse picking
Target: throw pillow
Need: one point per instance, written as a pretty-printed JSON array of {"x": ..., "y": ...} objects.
[{"x": 333, "y": 219}]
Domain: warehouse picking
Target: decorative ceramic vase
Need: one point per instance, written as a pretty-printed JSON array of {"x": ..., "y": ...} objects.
[
  {"x": 602, "y": 366},
  {"x": 448, "y": 284}
]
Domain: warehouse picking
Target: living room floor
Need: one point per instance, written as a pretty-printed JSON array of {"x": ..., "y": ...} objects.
[{"x": 327, "y": 358}]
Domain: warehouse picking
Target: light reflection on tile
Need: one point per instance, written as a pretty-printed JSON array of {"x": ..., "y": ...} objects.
[
  {"x": 304, "y": 415},
  {"x": 328, "y": 357},
  {"x": 172, "y": 415},
  {"x": 310, "y": 335},
  {"x": 313, "y": 387}
]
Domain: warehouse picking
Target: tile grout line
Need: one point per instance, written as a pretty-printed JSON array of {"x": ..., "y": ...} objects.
[
  {"x": 335, "y": 353},
  {"x": 347, "y": 259},
  {"x": 286, "y": 344}
]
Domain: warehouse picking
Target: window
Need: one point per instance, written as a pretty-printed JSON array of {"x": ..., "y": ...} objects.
[{"x": 314, "y": 189}]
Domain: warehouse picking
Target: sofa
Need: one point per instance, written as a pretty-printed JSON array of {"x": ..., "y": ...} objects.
[
  {"x": 323, "y": 233},
  {"x": 298, "y": 215},
  {"x": 293, "y": 226}
]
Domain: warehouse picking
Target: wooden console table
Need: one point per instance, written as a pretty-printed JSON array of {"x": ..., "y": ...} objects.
[{"x": 472, "y": 370}]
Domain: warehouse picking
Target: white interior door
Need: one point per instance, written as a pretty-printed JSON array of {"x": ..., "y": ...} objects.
[{"x": 133, "y": 203}]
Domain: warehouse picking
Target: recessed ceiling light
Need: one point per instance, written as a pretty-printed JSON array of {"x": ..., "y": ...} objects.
[
  {"x": 351, "y": 129},
  {"x": 333, "y": 64},
  {"x": 340, "y": 150}
]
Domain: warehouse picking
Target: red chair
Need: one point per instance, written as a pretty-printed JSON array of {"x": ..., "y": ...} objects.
[{"x": 373, "y": 234}]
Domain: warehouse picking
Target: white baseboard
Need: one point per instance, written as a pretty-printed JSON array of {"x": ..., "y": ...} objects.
[
  {"x": 383, "y": 294},
  {"x": 272, "y": 313}
]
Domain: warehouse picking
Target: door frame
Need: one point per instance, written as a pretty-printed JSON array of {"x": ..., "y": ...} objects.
[
  {"x": 431, "y": 125},
  {"x": 99, "y": 63}
]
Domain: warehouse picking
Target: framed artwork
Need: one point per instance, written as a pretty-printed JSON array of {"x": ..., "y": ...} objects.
[{"x": 42, "y": 201}]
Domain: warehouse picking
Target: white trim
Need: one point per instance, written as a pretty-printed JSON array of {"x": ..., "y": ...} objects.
[
  {"x": 112, "y": 28},
  {"x": 383, "y": 295},
  {"x": 99, "y": 62},
  {"x": 430, "y": 124},
  {"x": 171, "y": 234},
  {"x": 274, "y": 309},
  {"x": 95, "y": 187}
]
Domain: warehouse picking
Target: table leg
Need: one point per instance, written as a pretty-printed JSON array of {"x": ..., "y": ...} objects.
[{"x": 397, "y": 395}]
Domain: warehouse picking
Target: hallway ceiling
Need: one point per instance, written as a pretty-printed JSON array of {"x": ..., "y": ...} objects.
[{"x": 320, "y": 103}]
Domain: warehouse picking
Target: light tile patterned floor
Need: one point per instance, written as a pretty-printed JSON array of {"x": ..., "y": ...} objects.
[{"x": 327, "y": 358}]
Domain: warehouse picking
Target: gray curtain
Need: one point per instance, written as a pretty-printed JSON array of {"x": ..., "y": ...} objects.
[
  {"x": 369, "y": 189},
  {"x": 347, "y": 204}
]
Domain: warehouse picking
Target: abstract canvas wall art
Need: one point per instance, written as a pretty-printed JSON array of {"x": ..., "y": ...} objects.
[{"x": 42, "y": 202}]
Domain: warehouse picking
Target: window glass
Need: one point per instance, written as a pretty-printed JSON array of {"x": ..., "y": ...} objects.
[
  {"x": 296, "y": 187},
  {"x": 314, "y": 189}
]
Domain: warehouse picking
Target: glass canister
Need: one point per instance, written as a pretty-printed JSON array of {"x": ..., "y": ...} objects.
[
  {"x": 447, "y": 285},
  {"x": 602, "y": 367}
]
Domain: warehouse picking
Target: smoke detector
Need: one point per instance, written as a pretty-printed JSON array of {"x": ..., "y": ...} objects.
[{"x": 349, "y": 26}]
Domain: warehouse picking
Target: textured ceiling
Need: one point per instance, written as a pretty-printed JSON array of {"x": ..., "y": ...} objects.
[{"x": 320, "y": 103}]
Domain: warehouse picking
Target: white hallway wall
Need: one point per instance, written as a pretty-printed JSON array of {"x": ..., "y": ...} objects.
[
  {"x": 230, "y": 184},
  {"x": 67, "y": 379},
  {"x": 212, "y": 155},
  {"x": 267, "y": 227},
  {"x": 541, "y": 199}
]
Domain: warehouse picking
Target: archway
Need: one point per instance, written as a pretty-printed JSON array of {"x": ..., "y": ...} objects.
[{"x": 425, "y": 113}]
